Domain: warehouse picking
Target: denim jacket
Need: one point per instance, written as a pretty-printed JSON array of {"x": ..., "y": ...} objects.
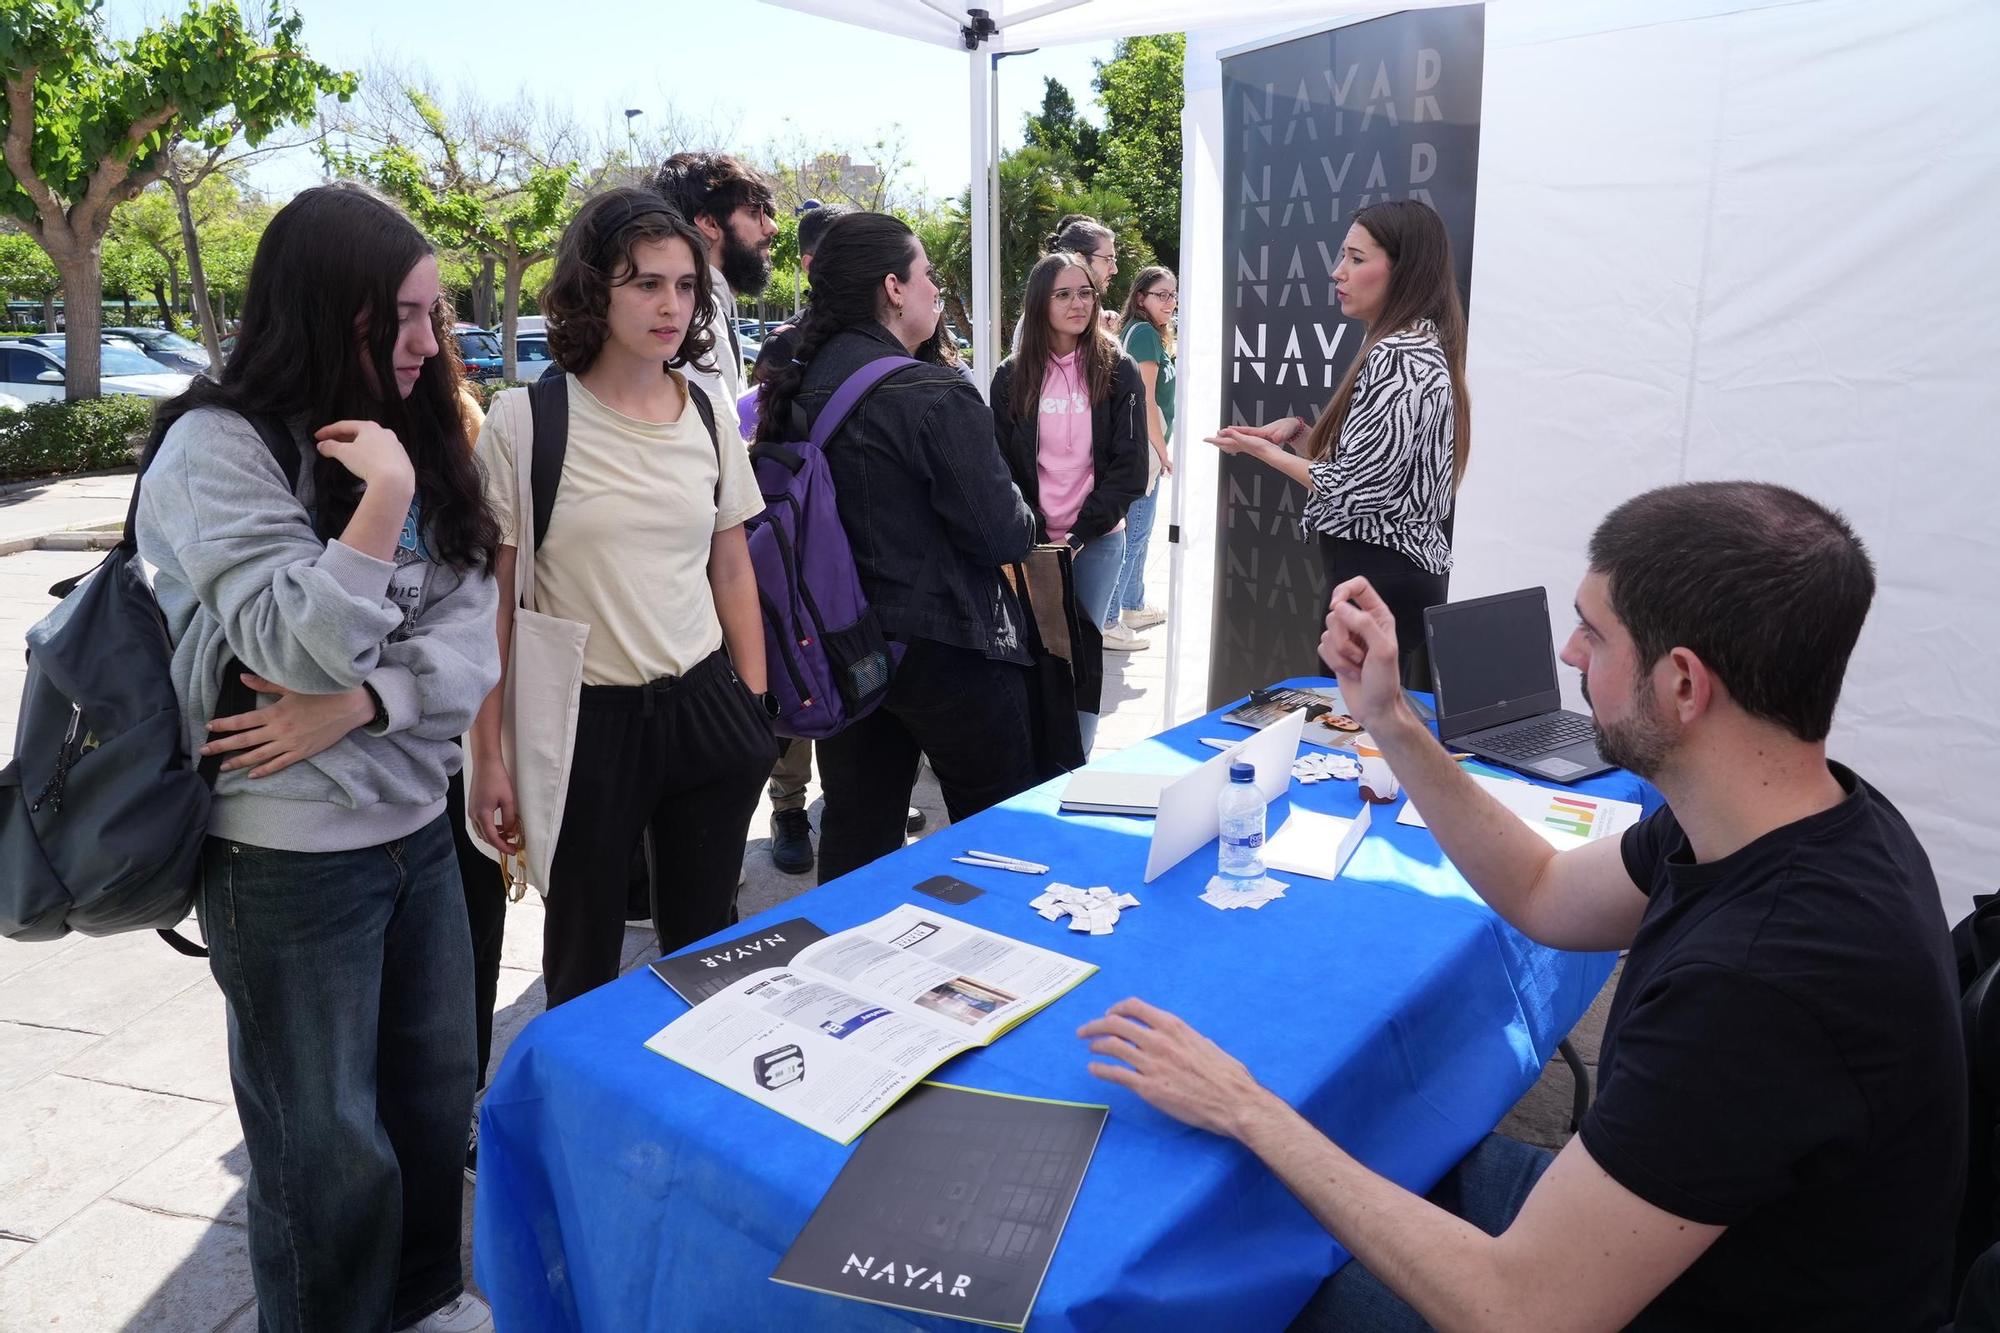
[
  {"x": 930, "y": 511},
  {"x": 1118, "y": 449}
]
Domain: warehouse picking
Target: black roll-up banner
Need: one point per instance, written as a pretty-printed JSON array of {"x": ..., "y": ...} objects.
[{"x": 1318, "y": 127}]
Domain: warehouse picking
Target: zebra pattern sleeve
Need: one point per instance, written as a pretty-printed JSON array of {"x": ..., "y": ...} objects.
[{"x": 1388, "y": 480}]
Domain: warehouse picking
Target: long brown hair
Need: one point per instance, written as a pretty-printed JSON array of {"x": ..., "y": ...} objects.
[
  {"x": 1143, "y": 283},
  {"x": 1422, "y": 286},
  {"x": 1100, "y": 354},
  {"x": 329, "y": 267}
]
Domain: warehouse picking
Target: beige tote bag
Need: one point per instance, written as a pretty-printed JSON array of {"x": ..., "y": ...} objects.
[{"x": 544, "y": 681}]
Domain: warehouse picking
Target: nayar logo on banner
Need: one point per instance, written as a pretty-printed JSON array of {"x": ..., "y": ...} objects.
[{"x": 1319, "y": 126}]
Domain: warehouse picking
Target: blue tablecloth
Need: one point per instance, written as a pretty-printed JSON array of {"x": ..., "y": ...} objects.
[{"x": 619, "y": 1190}]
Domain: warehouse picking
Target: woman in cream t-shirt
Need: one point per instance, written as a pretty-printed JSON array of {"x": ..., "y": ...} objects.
[{"x": 645, "y": 545}]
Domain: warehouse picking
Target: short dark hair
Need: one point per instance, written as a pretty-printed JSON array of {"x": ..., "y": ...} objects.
[
  {"x": 814, "y": 222},
  {"x": 712, "y": 186},
  {"x": 1767, "y": 587},
  {"x": 595, "y": 255},
  {"x": 1078, "y": 233}
]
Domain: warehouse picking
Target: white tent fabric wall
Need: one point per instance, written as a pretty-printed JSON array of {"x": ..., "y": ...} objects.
[
  {"x": 1716, "y": 238},
  {"x": 1748, "y": 243}
]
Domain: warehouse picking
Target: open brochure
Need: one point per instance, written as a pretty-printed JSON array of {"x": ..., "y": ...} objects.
[
  {"x": 857, "y": 1019},
  {"x": 952, "y": 1205},
  {"x": 1327, "y": 722}
]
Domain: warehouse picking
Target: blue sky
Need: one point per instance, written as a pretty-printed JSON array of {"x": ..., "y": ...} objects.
[{"x": 735, "y": 62}]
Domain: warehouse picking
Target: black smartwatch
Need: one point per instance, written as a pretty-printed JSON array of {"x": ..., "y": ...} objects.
[
  {"x": 770, "y": 703},
  {"x": 381, "y": 718}
]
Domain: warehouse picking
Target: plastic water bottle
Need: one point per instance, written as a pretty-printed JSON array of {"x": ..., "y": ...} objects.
[{"x": 1240, "y": 809}]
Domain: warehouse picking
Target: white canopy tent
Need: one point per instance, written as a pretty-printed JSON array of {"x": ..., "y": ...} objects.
[{"x": 1715, "y": 238}]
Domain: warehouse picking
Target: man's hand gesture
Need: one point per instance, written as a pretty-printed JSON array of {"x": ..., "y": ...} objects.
[{"x": 1360, "y": 642}]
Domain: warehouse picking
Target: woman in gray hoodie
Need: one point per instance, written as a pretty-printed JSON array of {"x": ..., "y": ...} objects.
[{"x": 358, "y": 604}]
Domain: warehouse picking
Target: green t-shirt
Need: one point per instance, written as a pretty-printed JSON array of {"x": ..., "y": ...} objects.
[{"x": 1142, "y": 343}]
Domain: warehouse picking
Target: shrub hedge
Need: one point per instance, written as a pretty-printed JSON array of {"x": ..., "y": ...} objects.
[{"x": 58, "y": 438}]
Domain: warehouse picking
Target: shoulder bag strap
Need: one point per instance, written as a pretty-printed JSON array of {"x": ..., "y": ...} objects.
[
  {"x": 850, "y": 393},
  {"x": 526, "y": 540}
]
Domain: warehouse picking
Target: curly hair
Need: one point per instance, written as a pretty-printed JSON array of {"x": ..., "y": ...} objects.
[
  {"x": 712, "y": 185},
  {"x": 596, "y": 255}
]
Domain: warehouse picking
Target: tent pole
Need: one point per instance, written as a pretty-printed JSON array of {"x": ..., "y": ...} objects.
[{"x": 984, "y": 240}]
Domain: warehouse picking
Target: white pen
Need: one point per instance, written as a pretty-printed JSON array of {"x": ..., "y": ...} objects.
[
  {"x": 1034, "y": 867},
  {"x": 1019, "y": 868}
]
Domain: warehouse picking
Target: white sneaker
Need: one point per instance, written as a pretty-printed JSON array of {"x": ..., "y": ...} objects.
[
  {"x": 467, "y": 1314},
  {"x": 1144, "y": 617},
  {"x": 1121, "y": 640}
]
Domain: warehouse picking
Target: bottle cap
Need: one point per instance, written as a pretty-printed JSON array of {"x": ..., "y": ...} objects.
[{"x": 1240, "y": 772}]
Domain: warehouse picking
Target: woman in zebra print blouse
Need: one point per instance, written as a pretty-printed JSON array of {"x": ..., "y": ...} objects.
[{"x": 1384, "y": 460}]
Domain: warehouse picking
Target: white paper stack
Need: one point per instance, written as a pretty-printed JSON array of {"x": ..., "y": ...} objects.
[
  {"x": 1093, "y": 910},
  {"x": 1311, "y": 768},
  {"x": 1223, "y": 894}
]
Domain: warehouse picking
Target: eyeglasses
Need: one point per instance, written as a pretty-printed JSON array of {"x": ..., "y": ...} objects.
[
  {"x": 1112, "y": 256},
  {"x": 1157, "y": 294},
  {"x": 1073, "y": 296}
]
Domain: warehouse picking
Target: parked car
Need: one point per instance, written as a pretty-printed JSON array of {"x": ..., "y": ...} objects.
[
  {"x": 535, "y": 324},
  {"x": 9, "y": 403},
  {"x": 531, "y": 357},
  {"x": 169, "y": 349},
  {"x": 108, "y": 338},
  {"x": 34, "y": 371},
  {"x": 480, "y": 350}
]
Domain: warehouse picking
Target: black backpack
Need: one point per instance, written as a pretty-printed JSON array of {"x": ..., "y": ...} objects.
[{"x": 102, "y": 812}]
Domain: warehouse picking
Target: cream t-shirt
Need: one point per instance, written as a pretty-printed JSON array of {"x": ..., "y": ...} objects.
[{"x": 628, "y": 540}]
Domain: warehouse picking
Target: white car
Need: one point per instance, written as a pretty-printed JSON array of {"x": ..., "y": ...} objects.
[
  {"x": 534, "y": 324},
  {"x": 35, "y": 372}
]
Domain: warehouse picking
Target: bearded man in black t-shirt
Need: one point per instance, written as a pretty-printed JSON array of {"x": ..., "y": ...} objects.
[{"x": 1779, "y": 1135}]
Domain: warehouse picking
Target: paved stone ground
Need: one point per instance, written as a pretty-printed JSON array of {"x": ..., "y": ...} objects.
[{"x": 122, "y": 1169}]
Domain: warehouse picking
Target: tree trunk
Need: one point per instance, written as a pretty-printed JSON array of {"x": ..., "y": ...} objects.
[
  {"x": 482, "y": 294},
  {"x": 81, "y": 265},
  {"x": 510, "y": 310},
  {"x": 174, "y": 288},
  {"x": 166, "y": 310},
  {"x": 204, "y": 316},
  {"x": 49, "y": 313}
]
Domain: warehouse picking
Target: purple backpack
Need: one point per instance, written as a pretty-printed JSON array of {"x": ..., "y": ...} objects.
[{"x": 827, "y": 661}]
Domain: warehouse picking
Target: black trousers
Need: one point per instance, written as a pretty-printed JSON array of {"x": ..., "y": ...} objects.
[
  {"x": 967, "y": 712},
  {"x": 682, "y": 757},
  {"x": 485, "y": 911},
  {"x": 1405, "y": 585}
]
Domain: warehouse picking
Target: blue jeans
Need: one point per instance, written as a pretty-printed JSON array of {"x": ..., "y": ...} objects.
[
  {"x": 348, "y": 977},
  {"x": 1486, "y": 1188},
  {"x": 1130, "y": 592},
  {"x": 1095, "y": 570}
]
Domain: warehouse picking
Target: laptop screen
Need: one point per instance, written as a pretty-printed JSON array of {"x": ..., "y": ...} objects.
[{"x": 1492, "y": 660}]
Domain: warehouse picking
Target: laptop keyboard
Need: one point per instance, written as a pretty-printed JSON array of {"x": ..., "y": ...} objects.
[{"x": 1538, "y": 736}]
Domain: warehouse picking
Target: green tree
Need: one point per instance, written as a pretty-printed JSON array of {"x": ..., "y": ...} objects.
[
  {"x": 1058, "y": 128},
  {"x": 27, "y": 273},
  {"x": 487, "y": 194},
  {"x": 1037, "y": 188},
  {"x": 1141, "y": 91},
  {"x": 89, "y": 122}
]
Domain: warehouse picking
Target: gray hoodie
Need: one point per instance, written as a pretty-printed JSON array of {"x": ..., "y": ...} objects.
[{"x": 240, "y": 572}]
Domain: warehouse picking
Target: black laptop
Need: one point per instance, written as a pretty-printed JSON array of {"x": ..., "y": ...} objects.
[{"x": 1493, "y": 666}]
